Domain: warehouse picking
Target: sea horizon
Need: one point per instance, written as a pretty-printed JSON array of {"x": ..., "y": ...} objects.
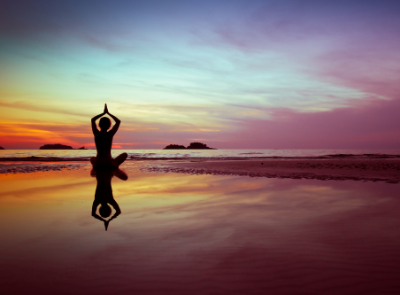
[{"x": 217, "y": 154}]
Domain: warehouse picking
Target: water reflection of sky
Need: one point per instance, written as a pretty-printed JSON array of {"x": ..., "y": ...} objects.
[{"x": 183, "y": 234}]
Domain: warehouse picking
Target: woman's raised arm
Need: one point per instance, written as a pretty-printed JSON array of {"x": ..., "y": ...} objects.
[
  {"x": 94, "y": 127},
  {"x": 117, "y": 121}
]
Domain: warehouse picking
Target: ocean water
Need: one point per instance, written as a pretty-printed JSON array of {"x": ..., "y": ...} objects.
[
  {"x": 197, "y": 234},
  {"x": 149, "y": 154}
]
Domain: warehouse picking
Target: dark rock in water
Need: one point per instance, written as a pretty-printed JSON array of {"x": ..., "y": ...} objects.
[
  {"x": 198, "y": 145},
  {"x": 56, "y": 146},
  {"x": 174, "y": 147},
  {"x": 193, "y": 145},
  {"x": 82, "y": 148},
  {"x": 341, "y": 155},
  {"x": 1, "y": 148}
]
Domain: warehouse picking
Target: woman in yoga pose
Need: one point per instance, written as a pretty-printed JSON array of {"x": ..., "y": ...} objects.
[{"x": 103, "y": 140}]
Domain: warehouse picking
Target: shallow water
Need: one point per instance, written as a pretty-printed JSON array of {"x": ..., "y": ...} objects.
[
  {"x": 198, "y": 234},
  {"x": 188, "y": 154}
]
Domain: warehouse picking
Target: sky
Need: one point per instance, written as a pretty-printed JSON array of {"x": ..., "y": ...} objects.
[{"x": 232, "y": 74}]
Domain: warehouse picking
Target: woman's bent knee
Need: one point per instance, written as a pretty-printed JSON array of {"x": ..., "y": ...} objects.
[{"x": 121, "y": 158}]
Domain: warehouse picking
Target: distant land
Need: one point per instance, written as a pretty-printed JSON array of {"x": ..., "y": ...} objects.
[
  {"x": 1, "y": 148},
  {"x": 175, "y": 147},
  {"x": 56, "y": 146},
  {"x": 192, "y": 146}
]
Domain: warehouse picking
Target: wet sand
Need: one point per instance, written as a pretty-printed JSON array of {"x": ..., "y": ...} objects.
[
  {"x": 30, "y": 167},
  {"x": 361, "y": 169},
  {"x": 387, "y": 170},
  {"x": 197, "y": 234},
  {"x": 366, "y": 169}
]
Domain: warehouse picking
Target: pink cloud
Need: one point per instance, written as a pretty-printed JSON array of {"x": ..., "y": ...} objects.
[
  {"x": 375, "y": 124},
  {"x": 369, "y": 71}
]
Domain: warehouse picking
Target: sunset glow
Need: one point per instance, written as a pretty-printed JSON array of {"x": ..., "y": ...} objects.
[{"x": 233, "y": 73}]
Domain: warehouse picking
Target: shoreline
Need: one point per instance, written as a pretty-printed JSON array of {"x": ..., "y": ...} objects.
[
  {"x": 386, "y": 170},
  {"x": 248, "y": 156},
  {"x": 357, "y": 169},
  {"x": 15, "y": 167}
]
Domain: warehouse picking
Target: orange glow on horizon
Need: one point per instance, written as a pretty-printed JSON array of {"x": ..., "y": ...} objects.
[{"x": 17, "y": 134}]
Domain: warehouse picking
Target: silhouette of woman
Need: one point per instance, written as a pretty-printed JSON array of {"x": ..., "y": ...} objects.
[
  {"x": 103, "y": 196},
  {"x": 103, "y": 140}
]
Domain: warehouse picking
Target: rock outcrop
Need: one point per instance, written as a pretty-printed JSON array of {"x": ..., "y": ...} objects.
[
  {"x": 174, "y": 147},
  {"x": 192, "y": 146},
  {"x": 198, "y": 145},
  {"x": 56, "y": 146}
]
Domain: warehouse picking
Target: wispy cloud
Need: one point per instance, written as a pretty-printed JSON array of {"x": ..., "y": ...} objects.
[
  {"x": 204, "y": 70},
  {"x": 371, "y": 125}
]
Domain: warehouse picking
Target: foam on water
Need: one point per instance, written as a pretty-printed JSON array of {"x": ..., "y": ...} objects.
[{"x": 223, "y": 154}]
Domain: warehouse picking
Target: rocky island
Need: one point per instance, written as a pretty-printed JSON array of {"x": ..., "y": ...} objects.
[
  {"x": 1, "y": 148},
  {"x": 56, "y": 146},
  {"x": 199, "y": 145},
  {"x": 175, "y": 147},
  {"x": 192, "y": 146}
]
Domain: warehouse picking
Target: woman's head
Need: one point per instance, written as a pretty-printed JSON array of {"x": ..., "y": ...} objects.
[
  {"x": 105, "y": 211},
  {"x": 105, "y": 123}
]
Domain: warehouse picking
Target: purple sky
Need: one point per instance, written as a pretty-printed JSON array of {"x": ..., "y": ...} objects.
[{"x": 233, "y": 74}]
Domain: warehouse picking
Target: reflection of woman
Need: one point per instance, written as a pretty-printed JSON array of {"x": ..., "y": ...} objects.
[{"x": 104, "y": 196}]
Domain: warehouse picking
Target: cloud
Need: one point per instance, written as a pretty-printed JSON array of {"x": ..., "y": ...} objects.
[
  {"x": 34, "y": 135},
  {"x": 370, "y": 71},
  {"x": 210, "y": 71},
  {"x": 365, "y": 124},
  {"x": 374, "y": 124},
  {"x": 23, "y": 105}
]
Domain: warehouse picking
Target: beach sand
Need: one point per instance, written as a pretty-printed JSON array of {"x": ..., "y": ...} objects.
[
  {"x": 361, "y": 169},
  {"x": 387, "y": 170},
  {"x": 30, "y": 167},
  {"x": 200, "y": 234}
]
